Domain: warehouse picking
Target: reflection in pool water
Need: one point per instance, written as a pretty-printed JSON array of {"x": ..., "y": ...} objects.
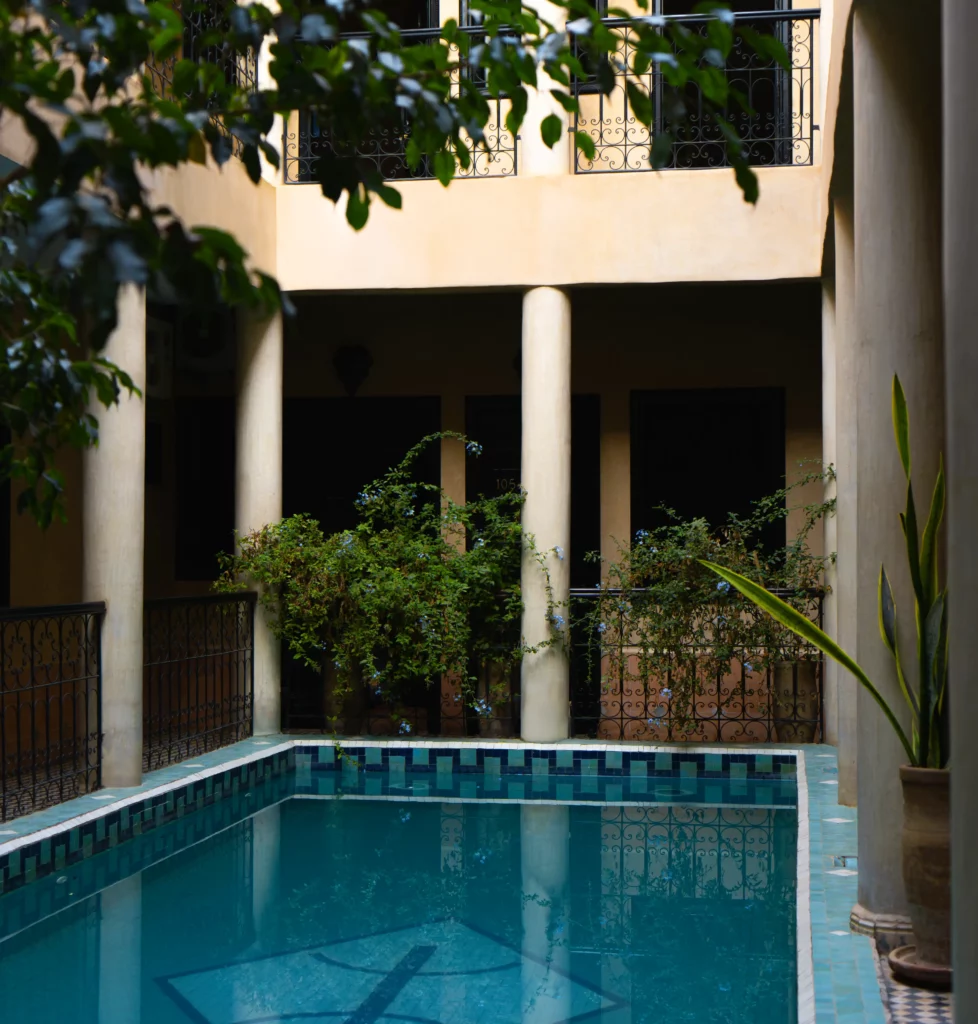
[{"x": 361, "y": 910}]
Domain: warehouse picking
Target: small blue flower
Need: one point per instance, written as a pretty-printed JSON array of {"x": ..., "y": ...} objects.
[
  {"x": 558, "y": 621},
  {"x": 724, "y": 587},
  {"x": 602, "y": 627},
  {"x": 667, "y": 694},
  {"x": 559, "y": 552},
  {"x": 641, "y": 535},
  {"x": 422, "y": 555},
  {"x": 480, "y": 542},
  {"x": 482, "y": 708},
  {"x": 409, "y": 511},
  {"x": 405, "y": 728},
  {"x": 474, "y": 448},
  {"x": 748, "y": 667}
]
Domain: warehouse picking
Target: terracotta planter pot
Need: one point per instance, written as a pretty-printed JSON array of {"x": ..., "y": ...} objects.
[
  {"x": 927, "y": 860},
  {"x": 791, "y": 706}
]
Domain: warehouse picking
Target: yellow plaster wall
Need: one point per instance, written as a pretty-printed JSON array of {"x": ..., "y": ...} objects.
[{"x": 630, "y": 227}]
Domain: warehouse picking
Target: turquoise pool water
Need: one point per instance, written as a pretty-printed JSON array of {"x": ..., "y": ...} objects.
[{"x": 362, "y": 910}]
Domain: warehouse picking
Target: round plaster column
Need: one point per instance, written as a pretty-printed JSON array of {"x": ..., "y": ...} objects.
[
  {"x": 545, "y": 863},
  {"x": 112, "y": 552},
  {"x": 546, "y": 469},
  {"x": 535, "y": 158},
  {"x": 120, "y": 931},
  {"x": 258, "y": 484},
  {"x": 845, "y": 520},
  {"x": 899, "y": 331},
  {"x": 961, "y": 357}
]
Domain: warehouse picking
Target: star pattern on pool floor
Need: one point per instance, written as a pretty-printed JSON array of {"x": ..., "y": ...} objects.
[{"x": 442, "y": 972}]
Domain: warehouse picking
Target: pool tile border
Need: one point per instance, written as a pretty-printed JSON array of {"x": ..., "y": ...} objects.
[
  {"x": 836, "y": 981},
  {"x": 63, "y": 835},
  {"x": 40, "y": 853}
]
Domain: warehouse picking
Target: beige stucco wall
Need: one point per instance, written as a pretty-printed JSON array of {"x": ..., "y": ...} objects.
[{"x": 629, "y": 227}]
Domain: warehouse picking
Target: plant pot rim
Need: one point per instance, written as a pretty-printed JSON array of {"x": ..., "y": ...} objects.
[{"x": 926, "y": 776}]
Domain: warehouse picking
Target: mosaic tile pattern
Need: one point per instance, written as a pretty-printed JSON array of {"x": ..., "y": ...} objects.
[
  {"x": 532, "y": 784},
  {"x": 54, "y": 853},
  {"x": 908, "y": 1005},
  {"x": 578, "y": 759}
]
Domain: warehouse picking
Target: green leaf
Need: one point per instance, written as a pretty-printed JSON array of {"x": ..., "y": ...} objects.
[
  {"x": 517, "y": 111},
  {"x": 908, "y": 520},
  {"x": 640, "y": 102},
  {"x": 901, "y": 424},
  {"x": 444, "y": 166},
  {"x": 358, "y": 208},
  {"x": 888, "y": 630},
  {"x": 930, "y": 638},
  {"x": 551, "y": 129},
  {"x": 585, "y": 144},
  {"x": 928, "y": 547},
  {"x": 568, "y": 102},
  {"x": 389, "y": 196},
  {"x": 807, "y": 630}
]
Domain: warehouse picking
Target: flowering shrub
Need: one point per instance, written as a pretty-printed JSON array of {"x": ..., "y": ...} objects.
[
  {"x": 421, "y": 587},
  {"x": 664, "y": 625}
]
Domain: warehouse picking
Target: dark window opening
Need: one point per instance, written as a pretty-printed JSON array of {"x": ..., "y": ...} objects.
[
  {"x": 333, "y": 448},
  {"x": 495, "y": 421},
  {"x": 369, "y": 436},
  {"x": 204, "y": 462},
  {"x": 706, "y": 453}
]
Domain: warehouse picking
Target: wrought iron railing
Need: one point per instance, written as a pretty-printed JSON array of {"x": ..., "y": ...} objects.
[
  {"x": 239, "y": 68},
  {"x": 305, "y": 140},
  {"x": 778, "y": 129},
  {"x": 619, "y": 690},
  {"x": 50, "y": 705},
  {"x": 198, "y": 675}
]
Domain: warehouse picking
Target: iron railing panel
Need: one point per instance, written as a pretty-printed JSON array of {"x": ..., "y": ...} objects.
[
  {"x": 198, "y": 675},
  {"x": 50, "y": 705},
  {"x": 778, "y": 132},
  {"x": 754, "y": 702},
  {"x": 305, "y": 140}
]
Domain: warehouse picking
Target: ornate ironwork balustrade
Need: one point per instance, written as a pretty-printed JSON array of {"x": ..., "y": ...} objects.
[
  {"x": 50, "y": 705},
  {"x": 305, "y": 140},
  {"x": 620, "y": 692},
  {"x": 779, "y": 130},
  {"x": 199, "y": 18},
  {"x": 198, "y": 675}
]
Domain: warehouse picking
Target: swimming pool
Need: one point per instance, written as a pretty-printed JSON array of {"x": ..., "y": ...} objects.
[{"x": 356, "y": 897}]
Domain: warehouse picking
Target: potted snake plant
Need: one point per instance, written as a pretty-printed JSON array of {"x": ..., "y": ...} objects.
[{"x": 925, "y": 776}]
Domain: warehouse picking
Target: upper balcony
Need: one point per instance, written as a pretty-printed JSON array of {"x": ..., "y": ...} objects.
[
  {"x": 779, "y": 131},
  {"x": 570, "y": 219},
  {"x": 583, "y": 221}
]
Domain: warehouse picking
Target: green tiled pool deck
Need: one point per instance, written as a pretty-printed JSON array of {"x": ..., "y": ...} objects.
[{"x": 846, "y": 989}]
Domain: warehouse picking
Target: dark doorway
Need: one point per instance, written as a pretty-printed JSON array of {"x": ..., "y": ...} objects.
[
  {"x": 204, "y": 461},
  {"x": 333, "y": 447},
  {"x": 706, "y": 453},
  {"x": 495, "y": 422}
]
